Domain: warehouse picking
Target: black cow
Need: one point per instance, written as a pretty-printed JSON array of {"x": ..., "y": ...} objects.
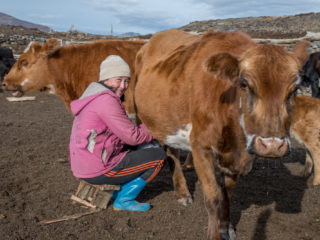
[
  {"x": 6, "y": 61},
  {"x": 311, "y": 73}
]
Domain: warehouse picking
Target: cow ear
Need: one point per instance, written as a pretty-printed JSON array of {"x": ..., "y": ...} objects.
[
  {"x": 52, "y": 44},
  {"x": 300, "y": 50},
  {"x": 36, "y": 48},
  {"x": 222, "y": 65}
]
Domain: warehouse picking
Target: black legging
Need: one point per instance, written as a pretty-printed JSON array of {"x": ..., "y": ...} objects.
[{"x": 145, "y": 163}]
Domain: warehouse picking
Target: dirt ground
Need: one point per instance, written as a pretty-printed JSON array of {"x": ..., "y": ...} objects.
[{"x": 271, "y": 203}]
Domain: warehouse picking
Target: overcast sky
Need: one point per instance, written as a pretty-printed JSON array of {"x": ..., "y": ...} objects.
[{"x": 144, "y": 16}]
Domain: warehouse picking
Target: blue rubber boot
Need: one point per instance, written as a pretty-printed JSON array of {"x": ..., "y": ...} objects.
[
  {"x": 114, "y": 195},
  {"x": 127, "y": 195}
]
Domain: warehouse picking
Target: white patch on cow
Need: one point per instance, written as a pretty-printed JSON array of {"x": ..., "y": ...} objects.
[
  {"x": 28, "y": 47},
  {"x": 132, "y": 117},
  {"x": 298, "y": 81},
  {"x": 24, "y": 82},
  {"x": 297, "y": 142},
  {"x": 240, "y": 103},
  {"x": 271, "y": 138},
  {"x": 91, "y": 140},
  {"x": 249, "y": 138},
  {"x": 181, "y": 139},
  {"x": 245, "y": 64},
  {"x": 52, "y": 89}
]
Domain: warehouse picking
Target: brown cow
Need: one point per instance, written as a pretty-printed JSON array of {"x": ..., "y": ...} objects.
[
  {"x": 304, "y": 133},
  {"x": 305, "y": 129},
  {"x": 220, "y": 96},
  {"x": 67, "y": 71}
]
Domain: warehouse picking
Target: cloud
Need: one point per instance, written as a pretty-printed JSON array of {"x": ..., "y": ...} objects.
[
  {"x": 154, "y": 16},
  {"x": 253, "y": 8}
]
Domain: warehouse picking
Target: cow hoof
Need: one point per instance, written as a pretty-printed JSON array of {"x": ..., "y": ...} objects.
[
  {"x": 316, "y": 181},
  {"x": 17, "y": 93},
  {"x": 187, "y": 167},
  {"x": 232, "y": 232},
  {"x": 229, "y": 234},
  {"x": 224, "y": 236},
  {"x": 185, "y": 201},
  {"x": 306, "y": 172}
]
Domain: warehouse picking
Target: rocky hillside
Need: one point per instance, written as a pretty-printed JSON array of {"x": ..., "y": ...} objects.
[
  {"x": 262, "y": 27},
  {"x": 9, "y": 20}
]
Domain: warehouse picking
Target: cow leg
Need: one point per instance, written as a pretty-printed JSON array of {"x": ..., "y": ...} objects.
[
  {"x": 308, "y": 165},
  {"x": 313, "y": 160},
  {"x": 179, "y": 181},
  {"x": 188, "y": 164},
  {"x": 316, "y": 170},
  {"x": 203, "y": 163},
  {"x": 226, "y": 228}
]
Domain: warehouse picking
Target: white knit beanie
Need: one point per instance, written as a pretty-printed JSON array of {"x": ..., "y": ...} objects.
[{"x": 113, "y": 66}]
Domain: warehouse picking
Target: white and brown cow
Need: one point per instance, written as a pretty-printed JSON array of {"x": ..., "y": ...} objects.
[
  {"x": 305, "y": 129},
  {"x": 224, "y": 98},
  {"x": 67, "y": 70},
  {"x": 304, "y": 133}
]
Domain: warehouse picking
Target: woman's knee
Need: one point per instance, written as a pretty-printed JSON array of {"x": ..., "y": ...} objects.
[{"x": 161, "y": 153}]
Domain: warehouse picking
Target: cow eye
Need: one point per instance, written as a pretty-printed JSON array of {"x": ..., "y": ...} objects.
[
  {"x": 244, "y": 84},
  {"x": 23, "y": 63}
]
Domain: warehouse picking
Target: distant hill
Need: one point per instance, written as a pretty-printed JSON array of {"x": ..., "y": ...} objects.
[
  {"x": 9, "y": 20},
  {"x": 128, "y": 34},
  {"x": 260, "y": 27}
]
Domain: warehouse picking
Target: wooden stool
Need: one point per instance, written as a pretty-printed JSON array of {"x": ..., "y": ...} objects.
[{"x": 94, "y": 196}]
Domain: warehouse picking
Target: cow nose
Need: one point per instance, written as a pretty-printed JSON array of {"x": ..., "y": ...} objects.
[
  {"x": 270, "y": 147},
  {"x": 3, "y": 84}
]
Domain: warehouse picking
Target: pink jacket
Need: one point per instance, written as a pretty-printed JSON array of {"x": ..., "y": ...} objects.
[{"x": 100, "y": 129}]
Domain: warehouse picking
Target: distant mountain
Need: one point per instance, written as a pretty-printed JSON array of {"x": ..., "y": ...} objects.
[
  {"x": 128, "y": 34},
  {"x": 9, "y": 20},
  {"x": 291, "y": 26}
]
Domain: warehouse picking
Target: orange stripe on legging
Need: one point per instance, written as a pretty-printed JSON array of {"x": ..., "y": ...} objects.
[
  {"x": 155, "y": 173},
  {"x": 133, "y": 169},
  {"x": 120, "y": 174}
]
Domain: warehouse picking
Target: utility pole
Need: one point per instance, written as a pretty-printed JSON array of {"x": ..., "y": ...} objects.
[{"x": 111, "y": 30}]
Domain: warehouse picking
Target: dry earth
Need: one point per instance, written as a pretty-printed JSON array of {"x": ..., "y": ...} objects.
[{"x": 271, "y": 203}]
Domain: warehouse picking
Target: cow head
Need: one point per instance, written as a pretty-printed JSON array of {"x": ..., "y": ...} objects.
[
  {"x": 267, "y": 78},
  {"x": 311, "y": 73},
  {"x": 30, "y": 72}
]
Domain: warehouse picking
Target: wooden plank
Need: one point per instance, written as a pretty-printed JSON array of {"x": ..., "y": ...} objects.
[
  {"x": 81, "y": 185},
  {"x": 20, "y": 99},
  {"x": 90, "y": 194},
  {"x": 102, "y": 199},
  {"x": 101, "y": 187},
  {"x": 84, "y": 202},
  {"x": 70, "y": 217},
  {"x": 109, "y": 187},
  {"x": 83, "y": 193}
]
